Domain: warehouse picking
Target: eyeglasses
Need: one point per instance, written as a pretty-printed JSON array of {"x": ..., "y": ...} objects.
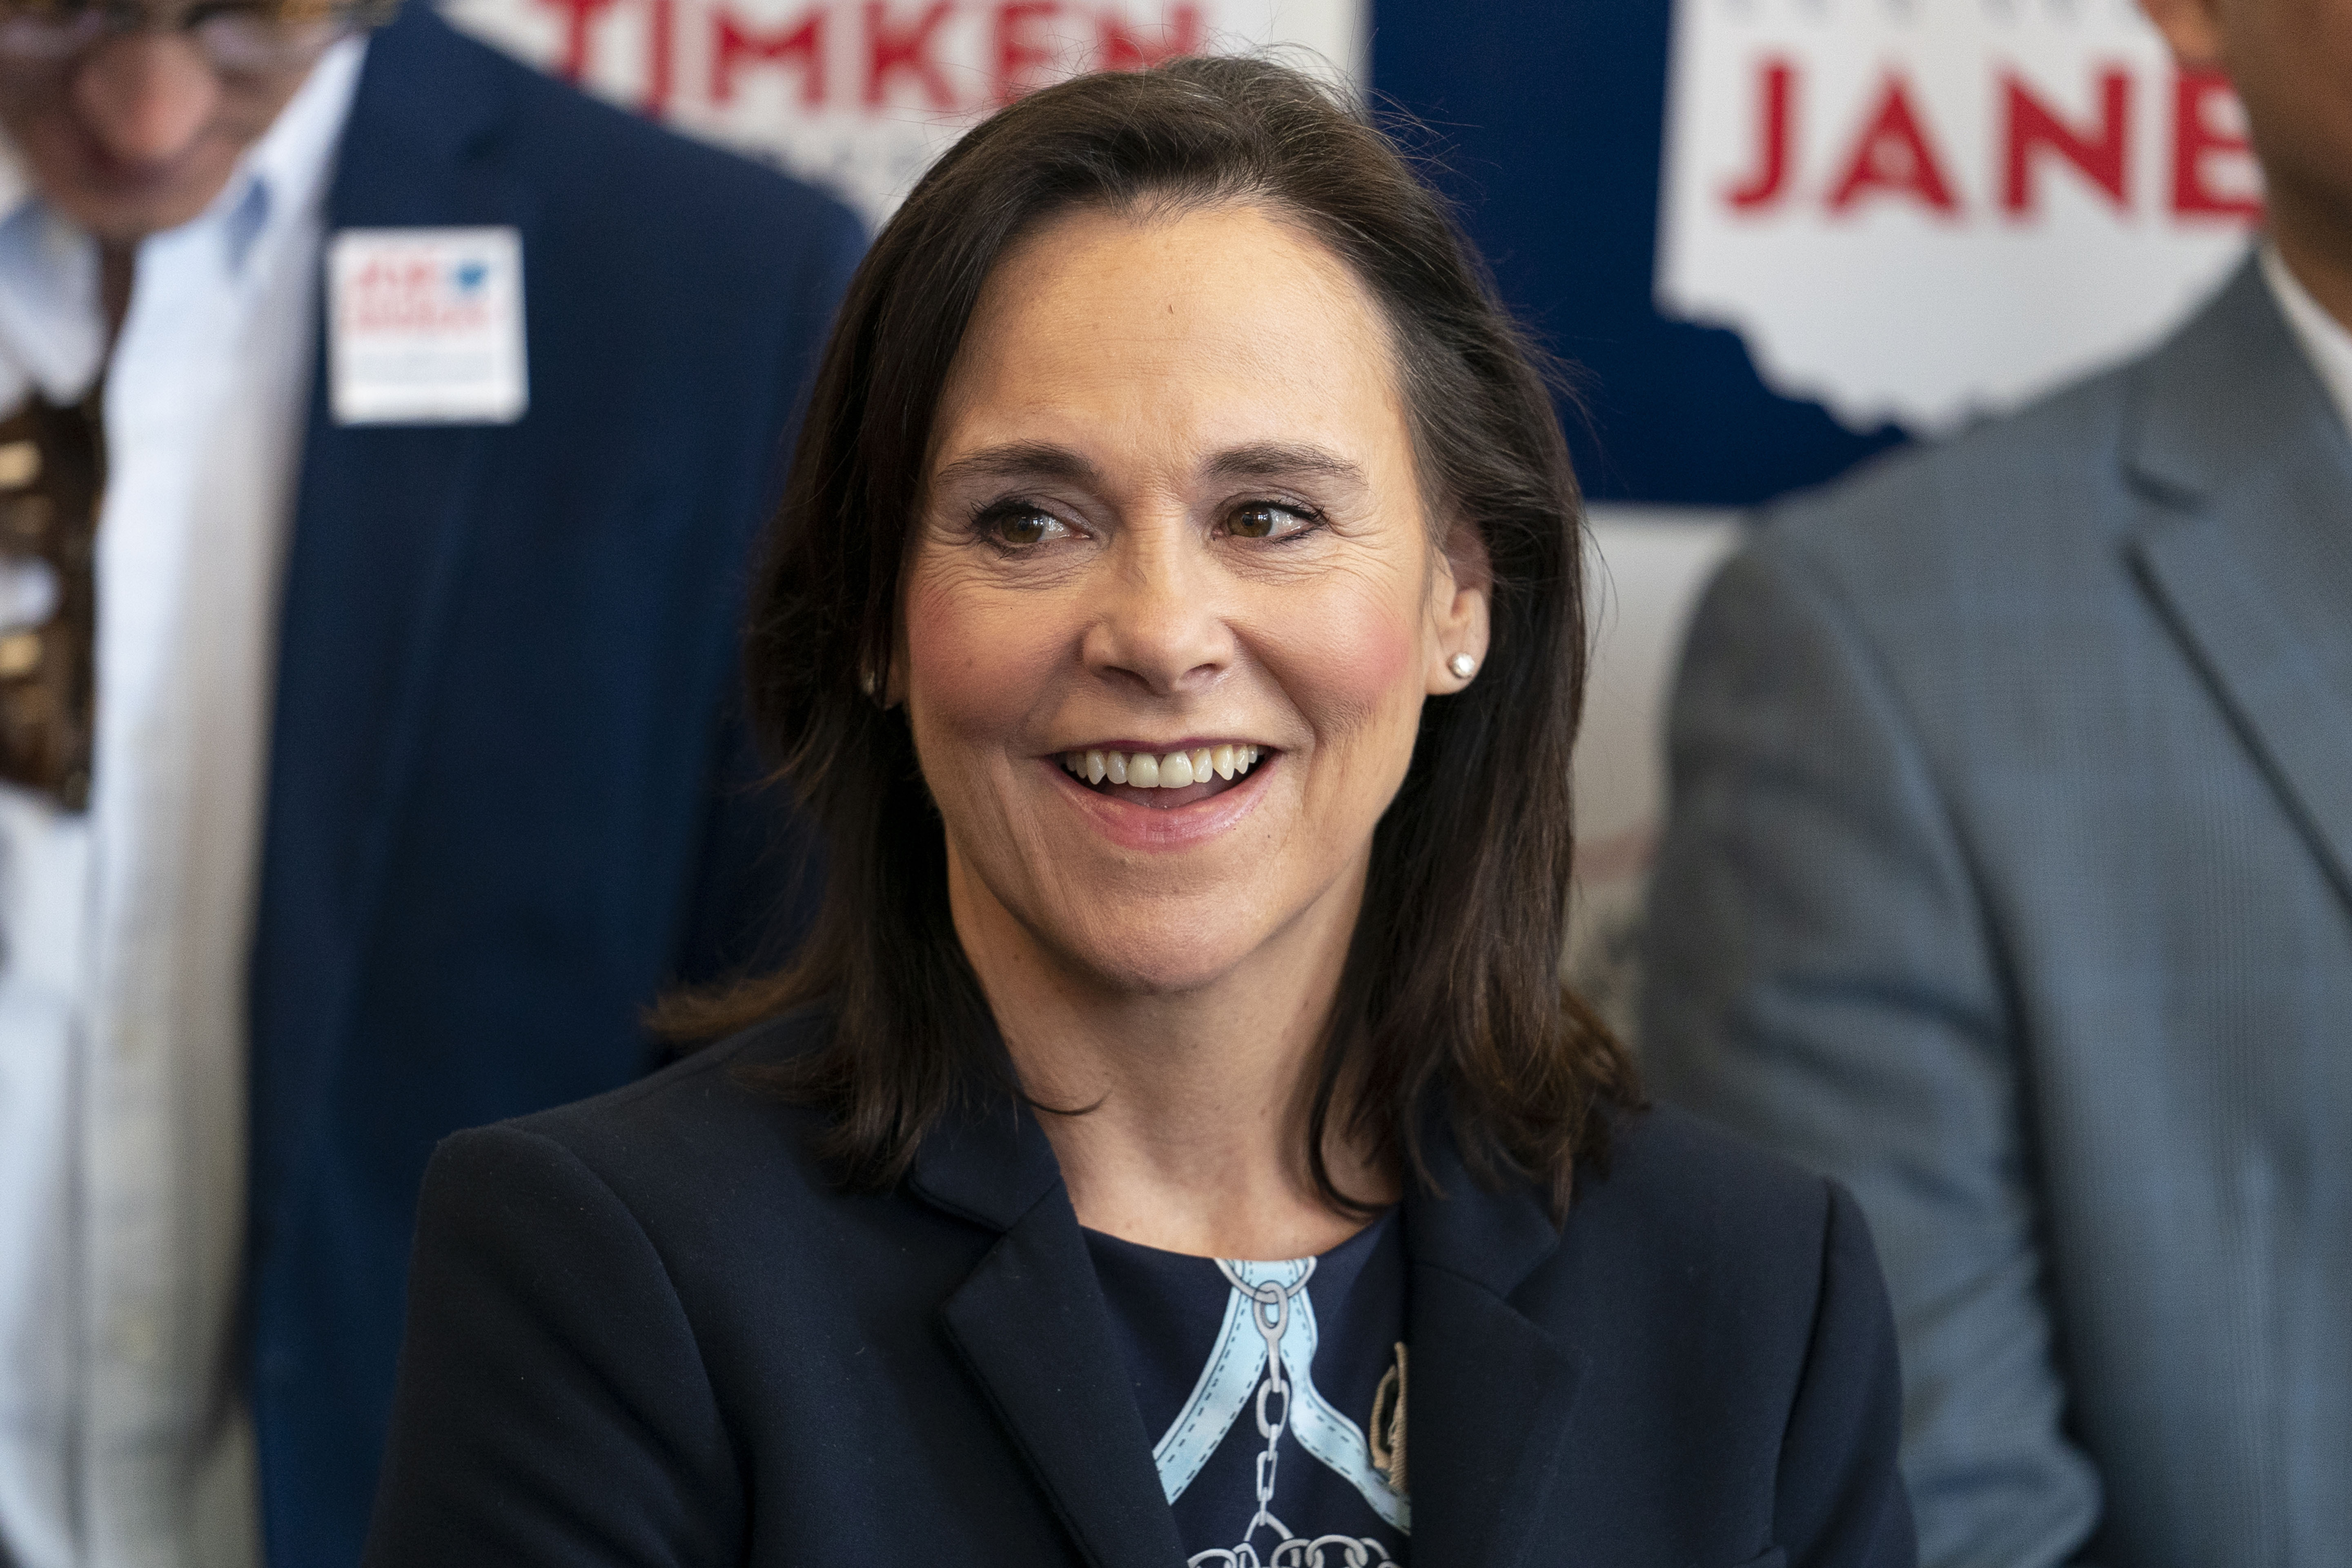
[{"x": 244, "y": 37}]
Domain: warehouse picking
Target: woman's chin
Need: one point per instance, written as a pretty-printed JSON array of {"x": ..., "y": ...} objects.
[{"x": 1168, "y": 954}]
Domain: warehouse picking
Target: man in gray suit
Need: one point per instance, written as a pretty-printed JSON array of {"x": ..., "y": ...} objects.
[{"x": 2010, "y": 881}]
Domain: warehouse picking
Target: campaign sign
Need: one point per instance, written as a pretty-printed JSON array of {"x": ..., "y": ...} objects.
[
  {"x": 425, "y": 326},
  {"x": 1915, "y": 210},
  {"x": 861, "y": 95}
]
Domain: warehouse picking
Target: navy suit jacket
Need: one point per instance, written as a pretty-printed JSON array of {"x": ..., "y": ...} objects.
[
  {"x": 503, "y": 804},
  {"x": 650, "y": 1329}
]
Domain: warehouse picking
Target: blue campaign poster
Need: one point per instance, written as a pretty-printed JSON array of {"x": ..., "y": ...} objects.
[{"x": 1549, "y": 122}]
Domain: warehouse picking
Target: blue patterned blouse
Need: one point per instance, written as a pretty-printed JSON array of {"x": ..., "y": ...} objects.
[{"x": 1287, "y": 1460}]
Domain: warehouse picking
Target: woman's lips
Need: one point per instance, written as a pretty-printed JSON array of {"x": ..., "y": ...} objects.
[
  {"x": 1184, "y": 775},
  {"x": 1163, "y": 799},
  {"x": 1162, "y": 817}
]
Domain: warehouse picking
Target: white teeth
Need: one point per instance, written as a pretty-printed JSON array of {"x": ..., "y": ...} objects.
[{"x": 1174, "y": 771}]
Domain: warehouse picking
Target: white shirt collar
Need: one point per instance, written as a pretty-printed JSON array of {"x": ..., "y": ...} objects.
[
  {"x": 2327, "y": 342},
  {"x": 52, "y": 335},
  {"x": 291, "y": 162}
]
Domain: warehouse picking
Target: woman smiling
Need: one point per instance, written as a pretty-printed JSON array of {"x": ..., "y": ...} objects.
[{"x": 1175, "y": 1143}]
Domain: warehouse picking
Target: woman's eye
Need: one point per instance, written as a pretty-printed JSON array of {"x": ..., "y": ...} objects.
[
  {"x": 1265, "y": 520},
  {"x": 1021, "y": 526}
]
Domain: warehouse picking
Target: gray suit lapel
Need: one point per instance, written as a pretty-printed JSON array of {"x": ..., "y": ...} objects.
[{"x": 2247, "y": 549}]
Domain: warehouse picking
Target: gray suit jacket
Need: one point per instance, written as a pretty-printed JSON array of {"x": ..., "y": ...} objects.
[{"x": 2010, "y": 881}]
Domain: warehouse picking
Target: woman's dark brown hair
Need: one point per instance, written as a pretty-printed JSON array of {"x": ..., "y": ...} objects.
[{"x": 1452, "y": 995}]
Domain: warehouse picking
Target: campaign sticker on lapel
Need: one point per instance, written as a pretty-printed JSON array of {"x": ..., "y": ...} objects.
[{"x": 425, "y": 326}]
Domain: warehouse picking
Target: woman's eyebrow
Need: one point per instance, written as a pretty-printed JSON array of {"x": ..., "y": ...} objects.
[
  {"x": 1043, "y": 460},
  {"x": 1279, "y": 460},
  {"x": 1018, "y": 460}
]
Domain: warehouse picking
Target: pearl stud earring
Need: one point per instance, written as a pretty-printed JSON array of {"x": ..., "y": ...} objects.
[{"x": 1462, "y": 665}]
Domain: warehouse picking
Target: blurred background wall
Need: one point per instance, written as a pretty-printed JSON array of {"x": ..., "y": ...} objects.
[{"x": 1771, "y": 238}]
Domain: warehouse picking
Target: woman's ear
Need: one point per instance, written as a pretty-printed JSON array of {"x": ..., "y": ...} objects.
[
  {"x": 888, "y": 687},
  {"x": 1460, "y": 591}
]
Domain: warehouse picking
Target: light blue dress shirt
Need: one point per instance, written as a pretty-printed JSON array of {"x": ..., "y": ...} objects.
[{"x": 124, "y": 1437}]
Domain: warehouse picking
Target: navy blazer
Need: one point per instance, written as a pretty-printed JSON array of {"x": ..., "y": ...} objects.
[
  {"x": 650, "y": 1329},
  {"x": 501, "y": 804}
]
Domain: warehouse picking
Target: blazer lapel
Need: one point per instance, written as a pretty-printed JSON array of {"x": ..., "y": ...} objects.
[
  {"x": 1493, "y": 1394},
  {"x": 379, "y": 528},
  {"x": 1490, "y": 1407},
  {"x": 1031, "y": 1324},
  {"x": 2249, "y": 555}
]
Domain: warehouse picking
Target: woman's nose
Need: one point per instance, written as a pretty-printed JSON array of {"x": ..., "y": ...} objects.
[
  {"x": 145, "y": 97},
  {"x": 1163, "y": 623}
]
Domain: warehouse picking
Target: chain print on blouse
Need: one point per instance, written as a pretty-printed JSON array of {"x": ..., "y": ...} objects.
[{"x": 1262, "y": 1361}]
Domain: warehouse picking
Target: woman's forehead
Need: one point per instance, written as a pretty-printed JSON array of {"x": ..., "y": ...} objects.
[
  {"x": 1169, "y": 269},
  {"x": 1221, "y": 327}
]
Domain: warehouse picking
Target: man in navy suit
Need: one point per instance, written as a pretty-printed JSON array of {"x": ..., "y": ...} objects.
[
  {"x": 382, "y": 433},
  {"x": 2010, "y": 881}
]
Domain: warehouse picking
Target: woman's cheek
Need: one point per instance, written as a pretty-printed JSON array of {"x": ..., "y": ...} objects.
[
  {"x": 1353, "y": 659},
  {"x": 975, "y": 658}
]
